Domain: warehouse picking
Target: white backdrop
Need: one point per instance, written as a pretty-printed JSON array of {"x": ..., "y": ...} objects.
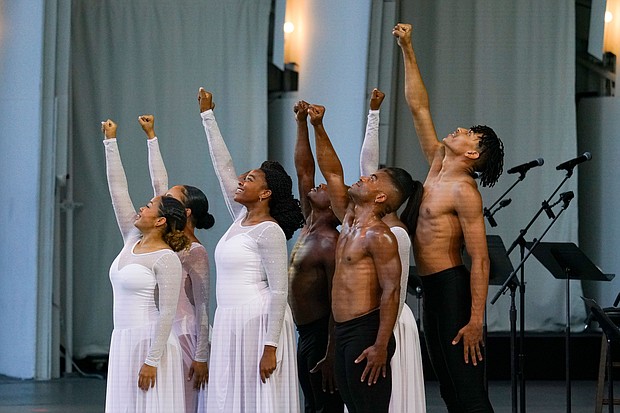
[{"x": 510, "y": 65}]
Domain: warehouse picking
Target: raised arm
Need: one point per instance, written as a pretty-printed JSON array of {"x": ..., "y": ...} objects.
[
  {"x": 416, "y": 94},
  {"x": 329, "y": 163},
  {"x": 304, "y": 161},
  {"x": 117, "y": 183},
  {"x": 369, "y": 155},
  {"x": 469, "y": 212},
  {"x": 382, "y": 246},
  {"x": 157, "y": 169},
  {"x": 220, "y": 156}
]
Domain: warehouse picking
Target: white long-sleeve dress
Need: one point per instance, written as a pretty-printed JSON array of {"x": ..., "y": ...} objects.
[
  {"x": 407, "y": 373},
  {"x": 252, "y": 309},
  {"x": 191, "y": 323},
  {"x": 142, "y": 322}
]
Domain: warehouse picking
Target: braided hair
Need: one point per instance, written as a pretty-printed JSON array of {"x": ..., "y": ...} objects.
[
  {"x": 410, "y": 191},
  {"x": 491, "y": 161},
  {"x": 197, "y": 201},
  {"x": 283, "y": 207},
  {"x": 174, "y": 211}
]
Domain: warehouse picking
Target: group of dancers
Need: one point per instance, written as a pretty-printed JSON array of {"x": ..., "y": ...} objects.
[{"x": 344, "y": 290}]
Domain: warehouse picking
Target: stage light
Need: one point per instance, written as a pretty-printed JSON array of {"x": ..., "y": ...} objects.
[{"x": 289, "y": 27}]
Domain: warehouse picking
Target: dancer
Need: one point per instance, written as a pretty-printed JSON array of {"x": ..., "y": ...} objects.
[
  {"x": 191, "y": 324},
  {"x": 253, "y": 366},
  {"x": 366, "y": 283},
  {"x": 311, "y": 271},
  {"x": 145, "y": 362},
  {"x": 407, "y": 372},
  {"x": 451, "y": 217}
]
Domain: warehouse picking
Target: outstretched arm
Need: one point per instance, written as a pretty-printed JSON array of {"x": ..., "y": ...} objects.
[
  {"x": 369, "y": 155},
  {"x": 220, "y": 156},
  {"x": 416, "y": 94},
  {"x": 157, "y": 169},
  {"x": 469, "y": 211},
  {"x": 329, "y": 163},
  {"x": 304, "y": 161},
  {"x": 124, "y": 210}
]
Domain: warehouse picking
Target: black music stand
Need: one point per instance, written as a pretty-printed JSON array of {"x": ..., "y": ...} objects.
[
  {"x": 612, "y": 333},
  {"x": 565, "y": 261}
]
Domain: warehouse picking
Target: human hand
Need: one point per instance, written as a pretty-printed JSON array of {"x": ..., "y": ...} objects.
[
  {"x": 325, "y": 366},
  {"x": 205, "y": 100},
  {"x": 267, "y": 363},
  {"x": 316, "y": 113},
  {"x": 301, "y": 110},
  {"x": 376, "y": 362},
  {"x": 199, "y": 370},
  {"x": 146, "y": 377},
  {"x": 376, "y": 98},
  {"x": 471, "y": 335},
  {"x": 402, "y": 32},
  {"x": 108, "y": 128},
  {"x": 148, "y": 125}
]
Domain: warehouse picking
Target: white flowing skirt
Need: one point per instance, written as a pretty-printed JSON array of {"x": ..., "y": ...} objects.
[
  {"x": 236, "y": 349},
  {"x": 128, "y": 350},
  {"x": 407, "y": 373}
]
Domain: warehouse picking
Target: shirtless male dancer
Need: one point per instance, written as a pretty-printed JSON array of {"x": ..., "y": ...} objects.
[
  {"x": 366, "y": 283},
  {"x": 310, "y": 279},
  {"x": 451, "y": 217}
]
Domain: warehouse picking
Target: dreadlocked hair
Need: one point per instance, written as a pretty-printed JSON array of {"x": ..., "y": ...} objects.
[
  {"x": 410, "y": 191},
  {"x": 174, "y": 211},
  {"x": 283, "y": 207},
  {"x": 491, "y": 161},
  {"x": 197, "y": 202}
]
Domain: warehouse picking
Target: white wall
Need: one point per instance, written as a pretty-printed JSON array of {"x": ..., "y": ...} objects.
[
  {"x": 598, "y": 121},
  {"x": 332, "y": 54},
  {"x": 21, "y": 54}
]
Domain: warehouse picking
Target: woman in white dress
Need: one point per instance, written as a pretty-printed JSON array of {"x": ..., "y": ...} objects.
[
  {"x": 408, "y": 394},
  {"x": 145, "y": 364},
  {"x": 253, "y": 365},
  {"x": 191, "y": 324}
]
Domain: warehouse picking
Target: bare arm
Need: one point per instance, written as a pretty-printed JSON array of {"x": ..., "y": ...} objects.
[
  {"x": 304, "y": 161},
  {"x": 416, "y": 94},
  {"x": 469, "y": 211},
  {"x": 329, "y": 163},
  {"x": 383, "y": 248}
]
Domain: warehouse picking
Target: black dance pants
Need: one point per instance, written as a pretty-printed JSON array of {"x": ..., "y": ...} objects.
[
  {"x": 447, "y": 309},
  {"x": 352, "y": 338},
  {"x": 311, "y": 348}
]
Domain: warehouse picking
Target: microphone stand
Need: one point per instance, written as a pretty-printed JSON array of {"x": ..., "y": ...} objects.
[
  {"x": 512, "y": 283},
  {"x": 513, "y": 286}
]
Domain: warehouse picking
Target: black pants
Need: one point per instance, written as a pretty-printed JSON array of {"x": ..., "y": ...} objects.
[
  {"x": 311, "y": 348},
  {"x": 447, "y": 308},
  {"x": 352, "y": 338}
]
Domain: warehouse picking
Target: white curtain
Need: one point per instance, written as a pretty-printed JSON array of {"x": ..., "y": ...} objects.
[
  {"x": 510, "y": 65},
  {"x": 151, "y": 56}
]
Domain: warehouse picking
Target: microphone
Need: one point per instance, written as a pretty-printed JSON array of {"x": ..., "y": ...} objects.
[
  {"x": 571, "y": 163},
  {"x": 566, "y": 197},
  {"x": 523, "y": 168},
  {"x": 505, "y": 203}
]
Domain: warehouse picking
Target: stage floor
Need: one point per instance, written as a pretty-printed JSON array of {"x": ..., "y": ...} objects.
[{"x": 86, "y": 395}]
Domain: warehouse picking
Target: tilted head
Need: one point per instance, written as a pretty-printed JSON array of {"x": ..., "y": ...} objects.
[
  {"x": 196, "y": 203},
  {"x": 283, "y": 207},
  {"x": 490, "y": 162}
]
